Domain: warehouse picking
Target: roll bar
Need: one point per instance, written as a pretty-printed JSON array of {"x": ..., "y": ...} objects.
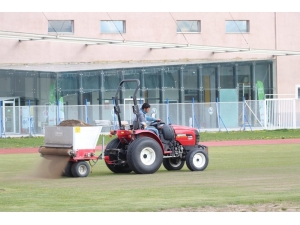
[{"x": 135, "y": 108}]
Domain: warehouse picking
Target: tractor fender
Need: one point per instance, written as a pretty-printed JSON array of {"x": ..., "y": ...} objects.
[{"x": 147, "y": 133}]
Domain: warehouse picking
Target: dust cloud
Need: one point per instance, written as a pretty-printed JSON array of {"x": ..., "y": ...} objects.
[{"x": 52, "y": 167}]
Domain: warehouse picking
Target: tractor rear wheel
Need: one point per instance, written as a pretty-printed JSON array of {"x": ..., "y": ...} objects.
[
  {"x": 118, "y": 168},
  {"x": 173, "y": 163},
  {"x": 197, "y": 160},
  {"x": 144, "y": 155},
  {"x": 115, "y": 143},
  {"x": 80, "y": 169}
]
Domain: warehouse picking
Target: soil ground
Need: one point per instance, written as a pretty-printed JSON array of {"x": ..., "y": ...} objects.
[{"x": 269, "y": 207}]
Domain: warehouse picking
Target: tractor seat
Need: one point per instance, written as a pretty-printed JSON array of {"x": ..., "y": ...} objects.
[
  {"x": 135, "y": 125},
  {"x": 168, "y": 132}
]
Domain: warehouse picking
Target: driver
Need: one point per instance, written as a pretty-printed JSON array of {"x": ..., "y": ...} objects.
[{"x": 142, "y": 118}]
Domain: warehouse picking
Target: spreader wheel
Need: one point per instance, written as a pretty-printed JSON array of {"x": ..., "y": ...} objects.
[
  {"x": 173, "y": 163},
  {"x": 197, "y": 160},
  {"x": 67, "y": 170},
  {"x": 80, "y": 169},
  {"x": 144, "y": 155}
]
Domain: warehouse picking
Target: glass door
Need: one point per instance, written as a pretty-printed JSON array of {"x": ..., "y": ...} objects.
[{"x": 9, "y": 117}]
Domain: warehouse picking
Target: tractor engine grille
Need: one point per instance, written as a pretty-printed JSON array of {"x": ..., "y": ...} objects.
[
  {"x": 197, "y": 137},
  {"x": 176, "y": 148}
]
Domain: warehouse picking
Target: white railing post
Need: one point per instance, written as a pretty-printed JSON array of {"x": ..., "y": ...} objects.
[
  {"x": 294, "y": 113},
  {"x": 266, "y": 114}
]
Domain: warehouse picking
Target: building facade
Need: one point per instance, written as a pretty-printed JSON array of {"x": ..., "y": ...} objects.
[{"x": 43, "y": 71}]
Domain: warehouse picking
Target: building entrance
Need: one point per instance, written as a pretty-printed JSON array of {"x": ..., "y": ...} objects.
[
  {"x": 8, "y": 115},
  {"x": 8, "y": 112}
]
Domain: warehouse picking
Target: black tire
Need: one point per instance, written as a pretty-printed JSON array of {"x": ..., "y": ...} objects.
[
  {"x": 197, "y": 160},
  {"x": 118, "y": 168},
  {"x": 80, "y": 169},
  {"x": 144, "y": 155},
  {"x": 67, "y": 170},
  {"x": 173, "y": 163},
  {"x": 115, "y": 143}
]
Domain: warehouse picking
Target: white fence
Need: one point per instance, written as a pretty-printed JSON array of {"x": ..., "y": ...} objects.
[
  {"x": 281, "y": 113},
  {"x": 213, "y": 116}
]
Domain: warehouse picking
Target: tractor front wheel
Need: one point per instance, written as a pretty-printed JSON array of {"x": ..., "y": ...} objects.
[
  {"x": 144, "y": 155},
  {"x": 173, "y": 163},
  {"x": 197, "y": 160}
]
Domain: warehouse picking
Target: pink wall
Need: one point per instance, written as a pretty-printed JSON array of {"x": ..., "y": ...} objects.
[
  {"x": 268, "y": 30},
  {"x": 287, "y": 38},
  {"x": 148, "y": 27}
]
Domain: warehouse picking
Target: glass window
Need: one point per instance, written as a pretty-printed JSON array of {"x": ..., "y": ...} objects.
[
  {"x": 60, "y": 26},
  {"x": 209, "y": 81},
  {"x": 46, "y": 89},
  {"x": 112, "y": 26},
  {"x": 190, "y": 77},
  {"x": 90, "y": 81},
  {"x": 152, "y": 80},
  {"x": 111, "y": 80},
  {"x": 68, "y": 83},
  {"x": 6, "y": 83},
  {"x": 244, "y": 82},
  {"x": 237, "y": 26},
  {"x": 131, "y": 74},
  {"x": 188, "y": 26},
  {"x": 171, "y": 82},
  {"x": 226, "y": 77},
  {"x": 25, "y": 85},
  {"x": 263, "y": 73}
]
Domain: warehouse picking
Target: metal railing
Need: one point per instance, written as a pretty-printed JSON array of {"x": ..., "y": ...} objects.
[{"x": 212, "y": 116}]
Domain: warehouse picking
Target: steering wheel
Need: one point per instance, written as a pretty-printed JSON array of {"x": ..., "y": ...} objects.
[{"x": 156, "y": 123}]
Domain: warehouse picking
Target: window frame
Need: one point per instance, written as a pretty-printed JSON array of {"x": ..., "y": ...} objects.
[
  {"x": 238, "y": 30},
  {"x": 297, "y": 91},
  {"x": 190, "y": 32},
  {"x": 117, "y": 31},
  {"x": 59, "y": 32}
]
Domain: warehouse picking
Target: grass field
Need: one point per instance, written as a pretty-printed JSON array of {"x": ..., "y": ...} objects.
[
  {"x": 27, "y": 142},
  {"x": 240, "y": 175}
]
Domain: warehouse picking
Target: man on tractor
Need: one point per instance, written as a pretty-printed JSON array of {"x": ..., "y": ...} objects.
[{"x": 142, "y": 118}]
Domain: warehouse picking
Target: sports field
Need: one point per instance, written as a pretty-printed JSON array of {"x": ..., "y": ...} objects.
[{"x": 251, "y": 178}]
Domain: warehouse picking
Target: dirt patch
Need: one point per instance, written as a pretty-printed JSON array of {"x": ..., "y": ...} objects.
[
  {"x": 73, "y": 123},
  {"x": 267, "y": 207},
  {"x": 52, "y": 167}
]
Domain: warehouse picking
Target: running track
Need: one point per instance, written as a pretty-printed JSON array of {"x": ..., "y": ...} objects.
[{"x": 209, "y": 144}]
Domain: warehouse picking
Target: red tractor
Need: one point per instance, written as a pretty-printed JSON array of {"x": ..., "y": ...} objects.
[{"x": 142, "y": 151}]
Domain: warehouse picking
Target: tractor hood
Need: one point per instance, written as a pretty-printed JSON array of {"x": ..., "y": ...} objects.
[
  {"x": 186, "y": 135},
  {"x": 179, "y": 129}
]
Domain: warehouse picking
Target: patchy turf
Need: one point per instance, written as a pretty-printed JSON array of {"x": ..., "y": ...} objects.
[{"x": 238, "y": 178}]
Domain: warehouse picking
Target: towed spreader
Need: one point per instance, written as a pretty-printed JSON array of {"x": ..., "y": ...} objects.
[{"x": 77, "y": 143}]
